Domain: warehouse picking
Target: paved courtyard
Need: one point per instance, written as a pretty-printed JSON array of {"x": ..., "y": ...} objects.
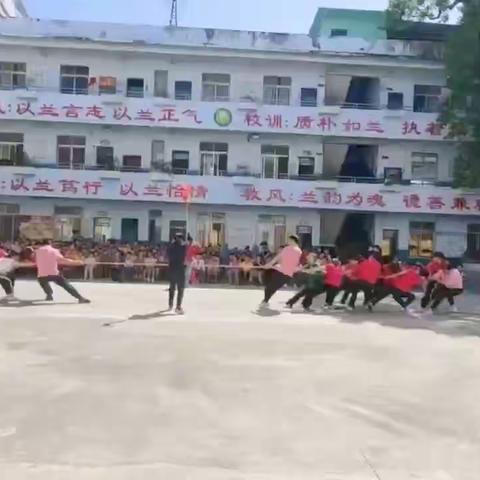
[{"x": 116, "y": 390}]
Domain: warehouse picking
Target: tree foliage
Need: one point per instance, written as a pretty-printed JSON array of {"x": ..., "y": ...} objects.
[{"x": 462, "y": 58}]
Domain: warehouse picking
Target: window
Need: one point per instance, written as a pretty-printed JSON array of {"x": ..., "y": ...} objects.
[
  {"x": 161, "y": 83},
  {"x": 211, "y": 229},
  {"x": 74, "y": 79},
  {"x": 338, "y": 32},
  {"x": 183, "y": 90},
  {"x": 158, "y": 154},
  {"x": 213, "y": 158},
  {"x": 421, "y": 239},
  {"x": 276, "y": 90},
  {"x": 427, "y": 98},
  {"x": 180, "y": 160},
  {"x": 215, "y": 87},
  {"x": 393, "y": 174},
  {"x": 132, "y": 162},
  {"x": 177, "y": 227},
  {"x": 306, "y": 166},
  {"x": 135, "y": 87},
  {"x": 107, "y": 86},
  {"x": 308, "y": 97},
  {"x": 473, "y": 241},
  {"x": 102, "y": 229},
  {"x": 68, "y": 223},
  {"x": 424, "y": 166},
  {"x": 271, "y": 229},
  {"x": 274, "y": 161},
  {"x": 105, "y": 159},
  {"x": 11, "y": 148},
  {"x": 71, "y": 151},
  {"x": 12, "y": 75},
  {"x": 395, "y": 101}
]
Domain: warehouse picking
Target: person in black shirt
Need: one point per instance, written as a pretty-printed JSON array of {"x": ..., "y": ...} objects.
[{"x": 177, "y": 252}]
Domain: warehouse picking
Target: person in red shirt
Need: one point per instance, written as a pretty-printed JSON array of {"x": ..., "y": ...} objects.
[
  {"x": 334, "y": 275},
  {"x": 400, "y": 285},
  {"x": 438, "y": 263},
  {"x": 368, "y": 274},
  {"x": 349, "y": 276}
]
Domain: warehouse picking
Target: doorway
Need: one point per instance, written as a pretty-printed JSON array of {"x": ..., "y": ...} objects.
[
  {"x": 129, "y": 230},
  {"x": 355, "y": 235}
]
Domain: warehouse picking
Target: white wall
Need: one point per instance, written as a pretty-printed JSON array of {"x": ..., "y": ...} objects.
[{"x": 241, "y": 222}]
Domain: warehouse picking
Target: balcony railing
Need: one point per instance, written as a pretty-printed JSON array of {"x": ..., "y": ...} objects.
[{"x": 230, "y": 174}]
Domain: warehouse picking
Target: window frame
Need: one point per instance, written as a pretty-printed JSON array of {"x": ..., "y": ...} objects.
[
  {"x": 431, "y": 102},
  {"x": 304, "y": 102},
  {"x": 277, "y": 155},
  {"x": 304, "y": 157},
  {"x": 180, "y": 170},
  {"x": 15, "y": 147},
  {"x": 13, "y": 73},
  {"x": 75, "y": 76},
  {"x": 216, "y": 152},
  {"x": 109, "y": 90},
  {"x": 417, "y": 232},
  {"x": 182, "y": 96},
  {"x": 272, "y": 91},
  {"x": 71, "y": 146},
  {"x": 132, "y": 93},
  {"x": 216, "y": 85},
  {"x": 420, "y": 159}
]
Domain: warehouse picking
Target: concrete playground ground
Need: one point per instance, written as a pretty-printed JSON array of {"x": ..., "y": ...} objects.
[{"x": 118, "y": 390}]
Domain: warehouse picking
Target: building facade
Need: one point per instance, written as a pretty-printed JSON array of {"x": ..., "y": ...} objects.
[{"x": 135, "y": 133}]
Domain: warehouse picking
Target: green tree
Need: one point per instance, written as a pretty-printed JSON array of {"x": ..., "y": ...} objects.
[{"x": 462, "y": 59}]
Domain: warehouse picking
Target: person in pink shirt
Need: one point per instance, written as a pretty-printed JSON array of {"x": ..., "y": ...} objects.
[
  {"x": 449, "y": 285},
  {"x": 47, "y": 259},
  {"x": 281, "y": 269}
]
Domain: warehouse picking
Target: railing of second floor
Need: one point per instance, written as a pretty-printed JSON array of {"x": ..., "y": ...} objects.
[{"x": 166, "y": 169}]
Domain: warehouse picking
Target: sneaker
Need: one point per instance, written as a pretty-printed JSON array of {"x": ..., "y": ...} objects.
[
  {"x": 263, "y": 305},
  {"x": 453, "y": 309},
  {"x": 349, "y": 308},
  {"x": 179, "y": 311},
  {"x": 84, "y": 300},
  {"x": 10, "y": 298},
  {"x": 308, "y": 309},
  {"x": 409, "y": 310}
]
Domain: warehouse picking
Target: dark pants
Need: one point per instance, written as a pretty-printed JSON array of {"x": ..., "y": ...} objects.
[
  {"x": 404, "y": 299},
  {"x": 427, "y": 297},
  {"x": 177, "y": 283},
  {"x": 441, "y": 293},
  {"x": 332, "y": 292},
  {"x": 308, "y": 294},
  {"x": 7, "y": 282},
  {"x": 356, "y": 286},
  {"x": 274, "y": 281},
  {"x": 61, "y": 282}
]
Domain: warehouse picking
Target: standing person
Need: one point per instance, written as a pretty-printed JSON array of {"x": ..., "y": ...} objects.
[
  {"x": 281, "y": 268},
  {"x": 90, "y": 263},
  {"x": 47, "y": 259},
  {"x": 438, "y": 263},
  {"x": 449, "y": 285},
  {"x": 177, "y": 252}
]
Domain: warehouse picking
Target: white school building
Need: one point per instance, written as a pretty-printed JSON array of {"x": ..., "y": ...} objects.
[{"x": 137, "y": 132}]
